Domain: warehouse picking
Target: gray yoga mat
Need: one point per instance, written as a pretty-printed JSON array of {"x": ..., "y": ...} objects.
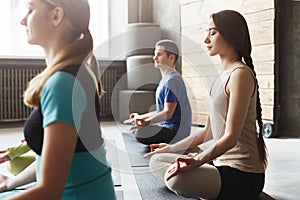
[
  {"x": 152, "y": 188},
  {"x": 136, "y": 151}
]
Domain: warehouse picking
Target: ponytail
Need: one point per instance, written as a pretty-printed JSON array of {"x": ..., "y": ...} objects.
[
  {"x": 260, "y": 141},
  {"x": 74, "y": 53},
  {"x": 93, "y": 65}
]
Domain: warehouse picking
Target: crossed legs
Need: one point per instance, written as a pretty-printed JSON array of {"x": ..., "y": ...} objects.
[{"x": 203, "y": 182}]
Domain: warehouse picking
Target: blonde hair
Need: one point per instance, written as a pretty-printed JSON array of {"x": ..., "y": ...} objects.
[{"x": 77, "y": 15}]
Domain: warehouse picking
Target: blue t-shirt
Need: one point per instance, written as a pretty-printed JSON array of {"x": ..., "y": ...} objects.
[{"x": 172, "y": 90}]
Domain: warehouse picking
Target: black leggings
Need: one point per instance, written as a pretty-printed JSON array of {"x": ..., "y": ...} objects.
[
  {"x": 153, "y": 134},
  {"x": 239, "y": 185}
]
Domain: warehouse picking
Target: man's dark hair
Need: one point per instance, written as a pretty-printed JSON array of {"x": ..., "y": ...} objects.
[{"x": 170, "y": 48}]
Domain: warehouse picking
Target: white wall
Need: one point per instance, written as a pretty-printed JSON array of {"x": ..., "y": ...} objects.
[{"x": 166, "y": 13}]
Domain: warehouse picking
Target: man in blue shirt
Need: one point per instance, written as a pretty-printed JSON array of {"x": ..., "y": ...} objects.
[{"x": 171, "y": 121}]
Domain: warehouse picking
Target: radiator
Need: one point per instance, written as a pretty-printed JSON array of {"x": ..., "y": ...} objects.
[
  {"x": 13, "y": 82},
  {"x": 109, "y": 80}
]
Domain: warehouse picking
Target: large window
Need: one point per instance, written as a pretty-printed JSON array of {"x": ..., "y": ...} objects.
[{"x": 13, "y": 34}]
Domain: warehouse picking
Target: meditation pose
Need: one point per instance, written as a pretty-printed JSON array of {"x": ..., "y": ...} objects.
[
  {"x": 233, "y": 166},
  {"x": 172, "y": 119}
]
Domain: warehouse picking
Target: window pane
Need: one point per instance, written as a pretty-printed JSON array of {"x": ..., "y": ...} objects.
[{"x": 14, "y": 39}]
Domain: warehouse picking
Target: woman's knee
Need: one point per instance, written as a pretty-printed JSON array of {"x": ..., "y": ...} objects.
[
  {"x": 158, "y": 165},
  {"x": 204, "y": 182}
]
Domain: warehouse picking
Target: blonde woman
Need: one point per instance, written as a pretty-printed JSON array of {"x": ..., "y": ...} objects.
[{"x": 63, "y": 129}]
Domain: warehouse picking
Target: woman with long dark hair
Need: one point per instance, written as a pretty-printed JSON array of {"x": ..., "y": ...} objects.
[{"x": 238, "y": 150}]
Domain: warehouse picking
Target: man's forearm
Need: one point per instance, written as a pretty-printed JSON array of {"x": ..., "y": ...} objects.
[
  {"x": 158, "y": 117},
  {"x": 147, "y": 115}
]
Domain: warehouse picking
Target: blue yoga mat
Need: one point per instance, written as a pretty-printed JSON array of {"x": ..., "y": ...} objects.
[{"x": 6, "y": 194}]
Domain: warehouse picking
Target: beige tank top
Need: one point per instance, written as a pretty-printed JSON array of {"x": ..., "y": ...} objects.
[{"x": 244, "y": 155}]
